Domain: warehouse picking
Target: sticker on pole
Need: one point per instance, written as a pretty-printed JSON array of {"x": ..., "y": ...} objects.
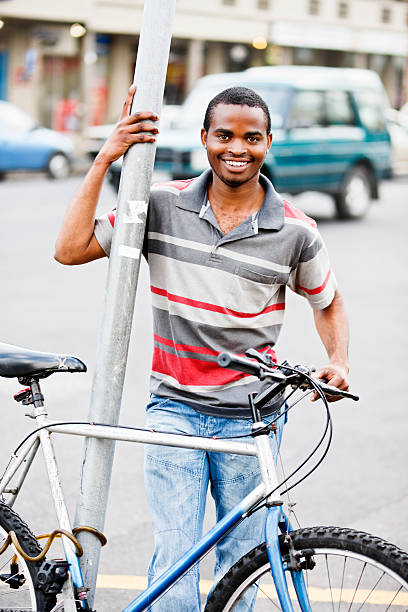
[
  {"x": 128, "y": 251},
  {"x": 135, "y": 210}
]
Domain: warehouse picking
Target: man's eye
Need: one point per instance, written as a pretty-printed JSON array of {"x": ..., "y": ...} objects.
[
  {"x": 223, "y": 136},
  {"x": 253, "y": 138}
]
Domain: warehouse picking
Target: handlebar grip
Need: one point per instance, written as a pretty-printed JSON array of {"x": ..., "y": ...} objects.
[
  {"x": 329, "y": 390},
  {"x": 226, "y": 360}
]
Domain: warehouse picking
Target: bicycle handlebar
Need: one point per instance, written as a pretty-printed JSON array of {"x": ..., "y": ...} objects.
[{"x": 248, "y": 366}]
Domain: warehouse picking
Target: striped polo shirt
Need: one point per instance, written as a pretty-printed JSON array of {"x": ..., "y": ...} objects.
[{"x": 214, "y": 293}]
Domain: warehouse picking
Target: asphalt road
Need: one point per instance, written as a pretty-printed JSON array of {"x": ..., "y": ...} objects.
[{"x": 45, "y": 306}]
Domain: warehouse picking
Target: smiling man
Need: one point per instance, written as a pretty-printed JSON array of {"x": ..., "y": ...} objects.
[{"x": 222, "y": 248}]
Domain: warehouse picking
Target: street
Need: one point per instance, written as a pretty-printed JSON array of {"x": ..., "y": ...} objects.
[{"x": 48, "y": 307}]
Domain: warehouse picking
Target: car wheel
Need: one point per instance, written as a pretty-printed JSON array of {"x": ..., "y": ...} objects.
[
  {"x": 354, "y": 198},
  {"x": 58, "y": 166}
]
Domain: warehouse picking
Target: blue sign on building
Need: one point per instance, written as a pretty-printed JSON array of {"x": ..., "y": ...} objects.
[{"x": 3, "y": 74}]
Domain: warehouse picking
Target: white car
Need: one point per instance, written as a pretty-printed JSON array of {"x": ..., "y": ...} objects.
[{"x": 397, "y": 123}]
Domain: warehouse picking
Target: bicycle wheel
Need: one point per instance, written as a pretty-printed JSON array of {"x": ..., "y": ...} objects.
[
  {"x": 354, "y": 571},
  {"x": 17, "y": 582}
]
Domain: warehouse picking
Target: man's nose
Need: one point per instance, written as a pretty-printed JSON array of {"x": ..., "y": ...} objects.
[{"x": 237, "y": 146}]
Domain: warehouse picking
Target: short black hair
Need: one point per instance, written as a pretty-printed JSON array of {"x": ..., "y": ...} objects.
[{"x": 241, "y": 96}]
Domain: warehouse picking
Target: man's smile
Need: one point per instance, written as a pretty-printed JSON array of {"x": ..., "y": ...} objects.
[{"x": 231, "y": 163}]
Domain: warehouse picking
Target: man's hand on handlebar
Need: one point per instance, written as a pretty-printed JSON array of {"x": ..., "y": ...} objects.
[{"x": 333, "y": 374}]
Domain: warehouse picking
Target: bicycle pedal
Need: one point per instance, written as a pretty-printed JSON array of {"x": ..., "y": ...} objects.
[{"x": 52, "y": 575}]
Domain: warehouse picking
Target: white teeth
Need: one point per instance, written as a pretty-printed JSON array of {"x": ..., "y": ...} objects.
[{"x": 235, "y": 163}]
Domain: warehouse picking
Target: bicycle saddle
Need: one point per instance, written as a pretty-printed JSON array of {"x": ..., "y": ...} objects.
[{"x": 21, "y": 362}]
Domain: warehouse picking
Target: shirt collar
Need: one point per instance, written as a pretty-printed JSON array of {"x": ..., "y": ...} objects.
[{"x": 271, "y": 213}]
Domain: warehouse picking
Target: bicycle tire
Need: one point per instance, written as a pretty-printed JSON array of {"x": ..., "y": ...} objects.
[
  {"x": 25, "y": 597},
  {"x": 371, "y": 575}
]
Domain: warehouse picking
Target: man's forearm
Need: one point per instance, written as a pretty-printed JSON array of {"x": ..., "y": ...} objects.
[
  {"x": 78, "y": 225},
  {"x": 332, "y": 326}
]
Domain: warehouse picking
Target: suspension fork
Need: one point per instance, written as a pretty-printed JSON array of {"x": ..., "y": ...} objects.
[{"x": 275, "y": 520}]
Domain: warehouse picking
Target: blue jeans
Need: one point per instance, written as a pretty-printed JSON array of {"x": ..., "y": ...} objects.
[{"x": 176, "y": 485}]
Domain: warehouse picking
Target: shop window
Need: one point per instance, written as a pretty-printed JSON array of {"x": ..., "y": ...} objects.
[
  {"x": 386, "y": 14},
  {"x": 314, "y": 7},
  {"x": 343, "y": 10}
]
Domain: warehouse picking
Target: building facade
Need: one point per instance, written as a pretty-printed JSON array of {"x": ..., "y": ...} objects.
[{"x": 69, "y": 64}]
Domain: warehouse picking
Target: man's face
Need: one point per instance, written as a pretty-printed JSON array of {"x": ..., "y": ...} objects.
[{"x": 236, "y": 142}]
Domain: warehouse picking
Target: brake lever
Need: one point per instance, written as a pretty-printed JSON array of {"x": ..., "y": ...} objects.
[{"x": 264, "y": 359}]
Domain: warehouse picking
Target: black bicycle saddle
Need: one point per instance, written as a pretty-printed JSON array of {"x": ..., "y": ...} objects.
[{"x": 22, "y": 363}]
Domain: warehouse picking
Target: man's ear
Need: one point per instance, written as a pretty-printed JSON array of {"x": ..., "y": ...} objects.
[
  {"x": 269, "y": 141},
  {"x": 204, "y": 138}
]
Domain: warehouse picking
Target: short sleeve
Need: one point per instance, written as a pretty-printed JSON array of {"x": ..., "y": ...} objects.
[
  {"x": 103, "y": 230},
  {"x": 313, "y": 277}
]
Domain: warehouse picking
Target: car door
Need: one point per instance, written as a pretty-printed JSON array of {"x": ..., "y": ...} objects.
[{"x": 300, "y": 155}]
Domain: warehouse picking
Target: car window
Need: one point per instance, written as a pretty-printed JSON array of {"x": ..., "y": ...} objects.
[
  {"x": 339, "y": 110},
  {"x": 370, "y": 109},
  {"x": 307, "y": 110},
  {"x": 14, "y": 119}
]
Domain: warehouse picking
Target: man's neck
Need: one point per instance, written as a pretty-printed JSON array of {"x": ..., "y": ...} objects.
[
  {"x": 232, "y": 205},
  {"x": 244, "y": 199}
]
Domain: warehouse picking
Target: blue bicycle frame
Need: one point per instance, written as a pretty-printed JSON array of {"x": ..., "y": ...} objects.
[{"x": 275, "y": 521}]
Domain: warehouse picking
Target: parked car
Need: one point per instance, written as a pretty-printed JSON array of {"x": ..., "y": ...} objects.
[
  {"x": 25, "y": 145},
  {"x": 328, "y": 124}
]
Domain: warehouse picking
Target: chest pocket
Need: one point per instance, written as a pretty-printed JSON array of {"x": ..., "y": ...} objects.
[{"x": 250, "y": 291}]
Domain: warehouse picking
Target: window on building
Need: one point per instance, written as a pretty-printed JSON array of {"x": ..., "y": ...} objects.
[
  {"x": 263, "y": 4},
  {"x": 314, "y": 7},
  {"x": 386, "y": 14},
  {"x": 228, "y": 2},
  {"x": 343, "y": 9}
]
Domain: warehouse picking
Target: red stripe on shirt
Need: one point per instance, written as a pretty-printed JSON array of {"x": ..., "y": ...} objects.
[
  {"x": 191, "y": 371},
  {"x": 214, "y": 307},
  {"x": 317, "y": 289},
  {"x": 186, "y": 347},
  {"x": 180, "y": 185},
  {"x": 203, "y": 350},
  {"x": 111, "y": 217},
  {"x": 294, "y": 213}
]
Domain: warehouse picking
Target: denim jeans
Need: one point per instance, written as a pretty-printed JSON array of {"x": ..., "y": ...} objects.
[{"x": 176, "y": 485}]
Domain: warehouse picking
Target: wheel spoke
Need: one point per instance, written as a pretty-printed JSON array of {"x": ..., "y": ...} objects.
[
  {"x": 393, "y": 599},
  {"x": 372, "y": 591},
  {"x": 328, "y": 578},
  {"x": 265, "y": 594},
  {"x": 342, "y": 582},
  {"x": 357, "y": 585}
]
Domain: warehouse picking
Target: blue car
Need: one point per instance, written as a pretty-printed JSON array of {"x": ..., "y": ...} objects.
[{"x": 25, "y": 145}]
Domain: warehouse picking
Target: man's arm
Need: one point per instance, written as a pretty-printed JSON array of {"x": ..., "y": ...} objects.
[
  {"x": 332, "y": 326},
  {"x": 76, "y": 243}
]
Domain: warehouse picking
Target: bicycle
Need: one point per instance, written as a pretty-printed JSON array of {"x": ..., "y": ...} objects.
[{"x": 331, "y": 568}]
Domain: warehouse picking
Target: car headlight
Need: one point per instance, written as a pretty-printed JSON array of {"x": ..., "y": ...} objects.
[{"x": 199, "y": 159}]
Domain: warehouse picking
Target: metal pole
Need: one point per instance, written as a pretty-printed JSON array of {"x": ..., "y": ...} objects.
[{"x": 150, "y": 74}]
